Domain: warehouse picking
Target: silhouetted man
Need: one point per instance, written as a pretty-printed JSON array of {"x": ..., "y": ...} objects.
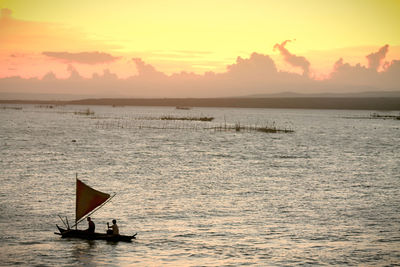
[
  {"x": 114, "y": 228},
  {"x": 91, "y": 228}
]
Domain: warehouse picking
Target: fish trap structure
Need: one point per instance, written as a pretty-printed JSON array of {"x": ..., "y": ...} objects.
[
  {"x": 185, "y": 124},
  {"x": 245, "y": 128}
]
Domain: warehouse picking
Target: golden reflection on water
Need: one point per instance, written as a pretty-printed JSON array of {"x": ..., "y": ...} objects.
[{"x": 84, "y": 252}]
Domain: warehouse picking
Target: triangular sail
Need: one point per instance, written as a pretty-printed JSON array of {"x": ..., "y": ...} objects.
[{"x": 87, "y": 199}]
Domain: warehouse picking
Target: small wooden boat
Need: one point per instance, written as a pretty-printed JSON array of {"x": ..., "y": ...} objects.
[
  {"x": 182, "y": 107},
  {"x": 89, "y": 200},
  {"x": 82, "y": 234}
]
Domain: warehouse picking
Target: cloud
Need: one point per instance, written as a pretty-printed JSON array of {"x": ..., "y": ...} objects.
[
  {"x": 391, "y": 76},
  {"x": 107, "y": 75},
  {"x": 394, "y": 66},
  {"x": 5, "y": 13},
  {"x": 50, "y": 76},
  {"x": 295, "y": 61},
  {"x": 90, "y": 58},
  {"x": 346, "y": 73},
  {"x": 256, "y": 74},
  {"x": 356, "y": 76},
  {"x": 375, "y": 59},
  {"x": 147, "y": 70},
  {"x": 256, "y": 65},
  {"x": 73, "y": 74}
]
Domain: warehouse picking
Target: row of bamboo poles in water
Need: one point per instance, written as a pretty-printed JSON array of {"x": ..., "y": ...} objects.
[{"x": 186, "y": 125}]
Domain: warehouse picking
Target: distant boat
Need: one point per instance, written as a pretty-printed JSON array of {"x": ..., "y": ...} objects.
[
  {"x": 89, "y": 200},
  {"x": 184, "y": 108}
]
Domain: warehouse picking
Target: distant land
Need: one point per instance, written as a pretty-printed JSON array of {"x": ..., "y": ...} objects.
[
  {"x": 374, "y": 94},
  {"x": 288, "y": 94},
  {"x": 356, "y": 101}
]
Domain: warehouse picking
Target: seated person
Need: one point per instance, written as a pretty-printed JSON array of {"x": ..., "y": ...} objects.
[
  {"x": 113, "y": 229},
  {"x": 92, "y": 226}
]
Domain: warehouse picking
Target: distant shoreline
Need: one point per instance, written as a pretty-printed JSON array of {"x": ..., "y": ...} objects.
[{"x": 350, "y": 103}]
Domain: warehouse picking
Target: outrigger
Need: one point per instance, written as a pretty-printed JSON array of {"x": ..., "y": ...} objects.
[{"x": 89, "y": 200}]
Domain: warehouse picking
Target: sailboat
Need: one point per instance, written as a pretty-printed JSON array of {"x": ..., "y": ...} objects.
[{"x": 89, "y": 200}]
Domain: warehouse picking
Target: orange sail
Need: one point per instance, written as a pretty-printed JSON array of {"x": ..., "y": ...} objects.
[{"x": 87, "y": 199}]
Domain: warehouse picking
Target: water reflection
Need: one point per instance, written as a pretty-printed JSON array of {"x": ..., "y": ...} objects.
[{"x": 84, "y": 252}]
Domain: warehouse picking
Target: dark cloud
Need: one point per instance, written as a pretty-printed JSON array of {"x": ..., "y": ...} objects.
[
  {"x": 295, "y": 61},
  {"x": 375, "y": 59},
  {"x": 90, "y": 58}
]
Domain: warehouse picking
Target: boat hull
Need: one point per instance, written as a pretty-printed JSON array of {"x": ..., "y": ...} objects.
[{"x": 72, "y": 233}]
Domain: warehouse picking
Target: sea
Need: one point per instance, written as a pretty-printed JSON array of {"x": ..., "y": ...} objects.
[{"x": 325, "y": 192}]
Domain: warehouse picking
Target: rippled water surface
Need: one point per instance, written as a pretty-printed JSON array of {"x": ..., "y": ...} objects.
[{"x": 327, "y": 194}]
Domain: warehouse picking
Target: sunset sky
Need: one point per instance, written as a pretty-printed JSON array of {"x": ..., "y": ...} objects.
[{"x": 88, "y": 39}]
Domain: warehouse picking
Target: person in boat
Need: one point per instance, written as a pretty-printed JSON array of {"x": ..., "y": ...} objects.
[
  {"x": 113, "y": 229},
  {"x": 91, "y": 227}
]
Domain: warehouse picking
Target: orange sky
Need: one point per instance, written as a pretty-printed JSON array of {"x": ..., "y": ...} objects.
[{"x": 42, "y": 36}]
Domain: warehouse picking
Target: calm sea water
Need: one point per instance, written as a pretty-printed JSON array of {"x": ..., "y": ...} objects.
[{"x": 327, "y": 194}]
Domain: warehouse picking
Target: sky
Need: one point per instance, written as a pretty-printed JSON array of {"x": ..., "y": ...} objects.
[{"x": 177, "y": 48}]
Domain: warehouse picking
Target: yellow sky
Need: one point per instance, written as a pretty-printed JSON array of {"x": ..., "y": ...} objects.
[{"x": 203, "y": 35}]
